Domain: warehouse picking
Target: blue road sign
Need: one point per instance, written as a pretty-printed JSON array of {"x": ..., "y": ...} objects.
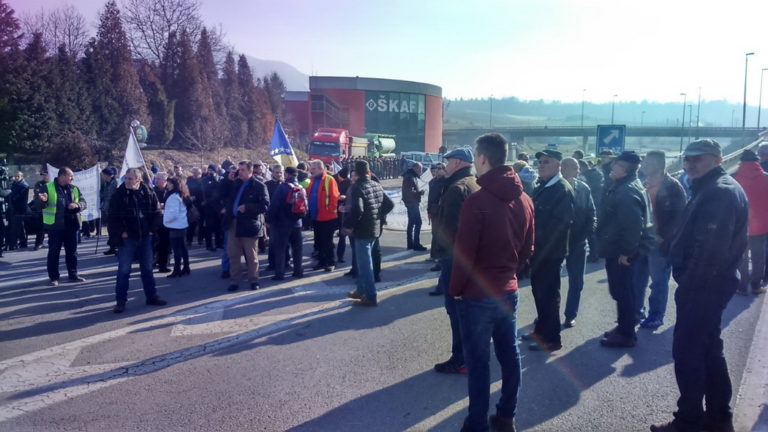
[{"x": 611, "y": 137}]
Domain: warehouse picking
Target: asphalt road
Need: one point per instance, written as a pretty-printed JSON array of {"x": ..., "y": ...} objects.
[{"x": 297, "y": 356}]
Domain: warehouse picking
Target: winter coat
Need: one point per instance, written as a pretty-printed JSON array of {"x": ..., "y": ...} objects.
[
  {"x": 280, "y": 214},
  {"x": 583, "y": 212},
  {"x": 495, "y": 237},
  {"x": 436, "y": 186},
  {"x": 458, "y": 186},
  {"x": 411, "y": 192},
  {"x": 175, "y": 212},
  {"x": 594, "y": 179},
  {"x": 554, "y": 202},
  {"x": 754, "y": 181},
  {"x": 327, "y": 197},
  {"x": 134, "y": 212},
  {"x": 19, "y": 197},
  {"x": 624, "y": 219},
  {"x": 256, "y": 202},
  {"x": 108, "y": 189},
  {"x": 210, "y": 189},
  {"x": 667, "y": 210},
  {"x": 365, "y": 199},
  {"x": 709, "y": 243}
]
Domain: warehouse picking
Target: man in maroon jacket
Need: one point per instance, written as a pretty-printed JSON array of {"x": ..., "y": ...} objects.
[{"x": 495, "y": 236}]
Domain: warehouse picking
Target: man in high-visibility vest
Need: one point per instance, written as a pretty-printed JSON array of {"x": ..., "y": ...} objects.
[{"x": 61, "y": 219}]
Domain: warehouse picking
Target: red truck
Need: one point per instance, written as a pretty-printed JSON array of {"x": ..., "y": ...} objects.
[{"x": 329, "y": 145}]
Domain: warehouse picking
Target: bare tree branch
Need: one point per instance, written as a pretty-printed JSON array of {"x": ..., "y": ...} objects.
[
  {"x": 149, "y": 22},
  {"x": 65, "y": 25}
]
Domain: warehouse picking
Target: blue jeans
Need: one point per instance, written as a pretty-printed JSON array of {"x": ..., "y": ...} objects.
[
  {"x": 413, "y": 230},
  {"x": 659, "y": 270},
  {"x": 130, "y": 249},
  {"x": 575, "y": 263},
  {"x": 364, "y": 280},
  {"x": 225, "y": 255},
  {"x": 443, "y": 283},
  {"x": 480, "y": 320}
]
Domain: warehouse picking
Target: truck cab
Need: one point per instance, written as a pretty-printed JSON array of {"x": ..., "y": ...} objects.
[{"x": 329, "y": 145}]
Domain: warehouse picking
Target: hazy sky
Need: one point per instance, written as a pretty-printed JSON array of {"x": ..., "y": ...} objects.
[{"x": 533, "y": 49}]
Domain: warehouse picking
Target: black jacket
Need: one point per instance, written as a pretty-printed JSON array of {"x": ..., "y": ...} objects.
[
  {"x": 553, "y": 215},
  {"x": 436, "y": 186},
  {"x": 135, "y": 212},
  {"x": 624, "y": 219},
  {"x": 457, "y": 187},
  {"x": 583, "y": 212},
  {"x": 411, "y": 192},
  {"x": 667, "y": 210},
  {"x": 365, "y": 199},
  {"x": 711, "y": 238},
  {"x": 280, "y": 214},
  {"x": 19, "y": 197},
  {"x": 594, "y": 179},
  {"x": 256, "y": 202},
  {"x": 210, "y": 189}
]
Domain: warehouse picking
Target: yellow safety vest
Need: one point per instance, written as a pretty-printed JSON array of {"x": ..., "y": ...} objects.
[{"x": 49, "y": 212}]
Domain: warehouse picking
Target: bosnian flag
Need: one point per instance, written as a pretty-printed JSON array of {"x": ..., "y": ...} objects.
[{"x": 280, "y": 149}]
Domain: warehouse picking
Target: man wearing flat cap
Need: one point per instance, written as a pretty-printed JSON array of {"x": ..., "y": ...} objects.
[
  {"x": 459, "y": 184},
  {"x": 623, "y": 226},
  {"x": 705, "y": 252},
  {"x": 553, "y": 201}
]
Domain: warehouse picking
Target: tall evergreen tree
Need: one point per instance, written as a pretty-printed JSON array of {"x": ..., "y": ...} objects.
[
  {"x": 193, "y": 109},
  {"x": 275, "y": 88},
  {"x": 73, "y": 104},
  {"x": 215, "y": 128},
  {"x": 237, "y": 129},
  {"x": 10, "y": 81},
  {"x": 258, "y": 117},
  {"x": 161, "y": 109}
]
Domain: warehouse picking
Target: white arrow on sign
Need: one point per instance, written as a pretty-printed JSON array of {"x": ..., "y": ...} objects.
[{"x": 614, "y": 134}]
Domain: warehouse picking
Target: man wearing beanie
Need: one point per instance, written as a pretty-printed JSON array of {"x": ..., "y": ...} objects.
[
  {"x": 623, "y": 220},
  {"x": 554, "y": 209},
  {"x": 362, "y": 223},
  {"x": 754, "y": 181},
  {"x": 705, "y": 252}
]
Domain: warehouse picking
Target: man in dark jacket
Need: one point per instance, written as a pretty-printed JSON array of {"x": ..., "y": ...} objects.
[
  {"x": 495, "y": 235},
  {"x": 37, "y": 208},
  {"x": 412, "y": 200},
  {"x": 622, "y": 221},
  {"x": 195, "y": 187},
  {"x": 667, "y": 198},
  {"x": 108, "y": 188},
  {"x": 459, "y": 184},
  {"x": 133, "y": 218},
  {"x": 705, "y": 251},
  {"x": 162, "y": 235},
  {"x": 285, "y": 226},
  {"x": 553, "y": 199},
  {"x": 214, "y": 236},
  {"x": 222, "y": 190},
  {"x": 582, "y": 227},
  {"x": 19, "y": 210},
  {"x": 593, "y": 177},
  {"x": 362, "y": 222},
  {"x": 433, "y": 201},
  {"x": 243, "y": 212},
  {"x": 63, "y": 203}
]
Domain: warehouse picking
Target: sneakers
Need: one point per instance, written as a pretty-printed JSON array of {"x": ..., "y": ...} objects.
[
  {"x": 569, "y": 323},
  {"x": 450, "y": 367},
  {"x": 119, "y": 308},
  {"x": 54, "y": 283},
  {"x": 666, "y": 427},
  {"x": 76, "y": 279},
  {"x": 651, "y": 323},
  {"x": 255, "y": 286},
  {"x": 618, "y": 340},
  {"x": 156, "y": 301},
  {"x": 501, "y": 424}
]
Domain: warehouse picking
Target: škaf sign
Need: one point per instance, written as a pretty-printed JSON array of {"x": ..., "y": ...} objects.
[{"x": 395, "y": 103}]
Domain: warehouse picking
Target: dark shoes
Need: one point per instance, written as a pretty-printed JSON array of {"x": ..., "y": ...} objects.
[
  {"x": 255, "y": 286},
  {"x": 185, "y": 271},
  {"x": 651, "y": 323},
  {"x": 156, "y": 301},
  {"x": 436, "y": 267},
  {"x": 501, "y": 424},
  {"x": 419, "y": 248},
  {"x": 435, "y": 292},
  {"x": 233, "y": 287},
  {"x": 759, "y": 290},
  {"x": 365, "y": 302},
  {"x": 278, "y": 278},
  {"x": 545, "y": 346},
  {"x": 618, "y": 340},
  {"x": 107, "y": 252},
  {"x": 530, "y": 336},
  {"x": 450, "y": 367},
  {"x": 298, "y": 275},
  {"x": 569, "y": 323},
  {"x": 329, "y": 269},
  {"x": 591, "y": 258},
  {"x": 164, "y": 270},
  {"x": 119, "y": 308},
  {"x": 354, "y": 295},
  {"x": 742, "y": 291},
  {"x": 76, "y": 279},
  {"x": 174, "y": 274},
  {"x": 350, "y": 273}
]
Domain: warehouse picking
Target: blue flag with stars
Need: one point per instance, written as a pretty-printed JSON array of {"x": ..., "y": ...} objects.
[{"x": 280, "y": 149}]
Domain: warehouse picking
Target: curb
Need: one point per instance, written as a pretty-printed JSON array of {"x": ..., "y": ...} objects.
[{"x": 751, "y": 408}]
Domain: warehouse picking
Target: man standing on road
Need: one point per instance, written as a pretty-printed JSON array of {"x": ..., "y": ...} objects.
[
  {"x": 459, "y": 184},
  {"x": 582, "y": 227},
  {"x": 163, "y": 236},
  {"x": 61, "y": 218},
  {"x": 195, "y": 187},
  {"x": 285, "y": 225},
  {"x": 212, "y": 209},
  {"x": 37, "y": 208},
  {"x": 623, "y": 219},
  {"x": 433, "y": 201},
  {"x": 108, "y": 188},
  {"x": 363, "y": 223},
  {"x": 495, "y": 235},
  {"x": 133, "y": 217},
  {"x": 323, "y": 199},
  {"x": 705, "y": 252},
  {"x": 754, "y": 181},
  {"x": 247, "y": 203},
  {"x": 19, "y": 209},
  {"x": 593, "y": 177},
  {"x": 667, "y": 199},
  {"x": 412, "y": 200},
  {"x": 554, "y": 202}
]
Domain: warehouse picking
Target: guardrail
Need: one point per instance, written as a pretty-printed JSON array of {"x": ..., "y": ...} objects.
[{"x": 731, "y": 160}]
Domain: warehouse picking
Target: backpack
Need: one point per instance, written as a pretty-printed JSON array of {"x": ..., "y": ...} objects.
[{"x": 297, "y": 198}]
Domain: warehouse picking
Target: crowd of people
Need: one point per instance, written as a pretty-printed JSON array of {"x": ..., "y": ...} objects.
[{"x": 492, "y": 226}]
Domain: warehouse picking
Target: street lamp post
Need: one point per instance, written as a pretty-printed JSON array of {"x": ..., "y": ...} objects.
[
  {"x": 682, "y": 122},
  {"x": 744, "y": 109},
  {"x": 582, "y": 107},
  {"x": 690, "y": 116},
  {"x": 698, "y": 113},
  {"x": 613, "y": 107},
  {"x": 760, "y": 99}
]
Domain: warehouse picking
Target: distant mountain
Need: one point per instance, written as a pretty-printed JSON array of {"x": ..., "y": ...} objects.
[{"x": 294, "y": 79}]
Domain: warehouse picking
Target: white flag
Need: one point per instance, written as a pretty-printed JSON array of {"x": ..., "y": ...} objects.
[
  {"x": 132, "y": 158},
  {"x": 336, "y": 167}
]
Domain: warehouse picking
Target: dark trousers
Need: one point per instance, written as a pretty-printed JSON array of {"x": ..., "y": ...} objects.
[
  {"x": 214, "y": 236},
  {"x": 697, "y": 348},
  {"x": 451, "y": 308},
  {"x": 341, "y": 247},
  {"x": 56, "y": 238},
  {"x": 482, "y": 320},
  {"x": 280, "y": 240},
  {"x": 545, "y": 284},
  {"x": 622, "y": 286},
  {"x": 575, "y": 263},
  {"x": 180, "y": 252},
  {"x": 413, "y": 230},
  {"x": 324, "y": 237},
  {"x": 18, "y": 234},
  {"x": 163, "y": 247}
]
